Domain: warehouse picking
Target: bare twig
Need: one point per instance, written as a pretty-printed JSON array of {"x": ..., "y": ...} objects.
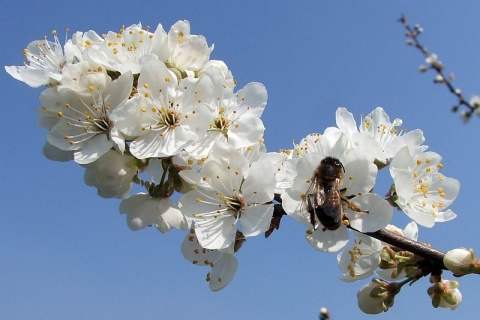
[{"x": 412, "y": 35}]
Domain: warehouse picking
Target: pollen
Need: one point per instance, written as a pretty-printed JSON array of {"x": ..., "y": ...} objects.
[
  {"x": 167, "y": 79},
  {"x": 146, "y": 86},
  {"x": 419, "y": 162},
  {"x": 143, "y": 109},
  {"x": 60, "y": 114},
  {"x": 440, "y": 166},
  {"x": 91, "y": 88}
]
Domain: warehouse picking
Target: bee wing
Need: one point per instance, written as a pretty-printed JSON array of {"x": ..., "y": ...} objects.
[
  {"x": 332, "y": 193},
  {"x": 314, "y": 197}
]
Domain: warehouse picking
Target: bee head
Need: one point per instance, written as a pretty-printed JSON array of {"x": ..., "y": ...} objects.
[{"x": 331, "y": 168}]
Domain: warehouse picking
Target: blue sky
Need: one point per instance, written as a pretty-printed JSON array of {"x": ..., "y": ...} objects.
[{"x": 65, "y": 253}]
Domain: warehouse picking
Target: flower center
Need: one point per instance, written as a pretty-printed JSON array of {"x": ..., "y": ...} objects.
[
  {"x": 93, "y": 119},
  {"x": 221, "y": 124},
  {"x": 236, "y": 205}
]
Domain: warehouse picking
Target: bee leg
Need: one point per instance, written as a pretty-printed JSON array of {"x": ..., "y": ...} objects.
[
  {"x": 353, "y": 206},
  {"x": 312, "y": 210},
  {"x": 312, "y": 218}
]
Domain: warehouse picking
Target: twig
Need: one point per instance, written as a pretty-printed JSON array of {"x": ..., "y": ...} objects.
[{"x": 412, "y": 34}]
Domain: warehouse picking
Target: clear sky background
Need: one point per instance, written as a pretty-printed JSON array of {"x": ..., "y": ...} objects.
[{"x": 65, "y": 253}]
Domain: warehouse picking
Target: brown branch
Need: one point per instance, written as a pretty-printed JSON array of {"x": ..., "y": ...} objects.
[
  {"x": 412, "y": 34},
  {"x": 418, "y": 248},
  {"x": 424, "y": 250}
]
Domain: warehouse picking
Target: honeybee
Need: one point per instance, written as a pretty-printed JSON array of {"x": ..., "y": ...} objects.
[{"x": 323, "y": 198}]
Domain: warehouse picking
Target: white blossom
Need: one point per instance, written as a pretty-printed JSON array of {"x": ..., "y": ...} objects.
[
  {"x": 44, "y": 65},
  {"x": 112, "y": 174},
  {"x": 128, "y": 50},
  {"x": 360, "y": 260},
  {"x": 377, "y": 135},
  {"x": 166, "y": 116},
  {"x": 237, "y": 193},
  {"x": 236, "y": 115},
  {"x": 359, "y": 178},
  {"x": 142, "y": 211},
  {"x": 423, "y": 193},
  {"x": 223, "y": 263},
  {"x": 85, "y": 126}
]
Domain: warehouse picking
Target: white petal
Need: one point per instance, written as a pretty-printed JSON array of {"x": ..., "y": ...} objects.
[
  {"x": 328, "y": 241},
  {"x": 346, "y": 121},
  {"x": 93, "y": 149},
  {"x": 216, "y": 233},
  {"x": 245, "y": 131},
  {"x": 118, "y": 90},
  {"x": 360, "y": 172},
  {"x": 445, "y": 216},
  {"x": 260, "y": 183},
  {"x": 256, "y": 220},
  {"x": 193, "y": 251},
  {"x": 53, "y": 153},
  {"x": 411, "y": 231},
  {"x": 292, "y": 204},
  {"x": 223, "y": 272},
  {"x": 379, "y": 213},
  {"x": 152, "y": 145},
  {"x": 141, "y": 211},
  {"x": 170, "y": 216},
  {"x": 253, "y": 97}
]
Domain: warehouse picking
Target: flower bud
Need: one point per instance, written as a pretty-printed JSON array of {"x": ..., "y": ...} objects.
[
  {"x": 445, "y": 294},
  {"x": 377, "y": 296},
  {"x": 460, "y": 261}
]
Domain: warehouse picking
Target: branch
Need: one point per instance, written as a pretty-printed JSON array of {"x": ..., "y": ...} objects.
[
  {"x": 424, "y": 250},
  {"x": 412, "y": 35}
]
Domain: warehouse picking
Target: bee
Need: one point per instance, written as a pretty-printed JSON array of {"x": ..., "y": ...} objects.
[{"x": 323, "y": 198}]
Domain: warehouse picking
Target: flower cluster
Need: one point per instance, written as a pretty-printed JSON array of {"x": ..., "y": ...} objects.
[
  {"x": 345, "y": 195},
  {"x": 152, "y": 109}
]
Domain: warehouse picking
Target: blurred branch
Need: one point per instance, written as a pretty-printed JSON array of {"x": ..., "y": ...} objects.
[{"x": 412, "y": 34}]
